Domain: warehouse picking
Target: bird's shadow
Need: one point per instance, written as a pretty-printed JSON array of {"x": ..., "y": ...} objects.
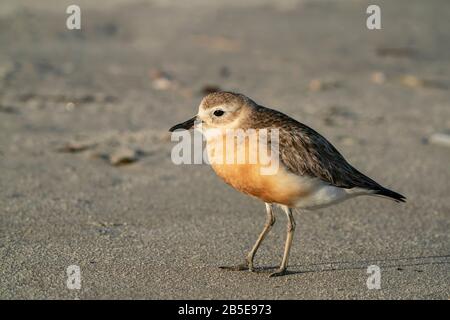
[{"x": 398, "y": 263}]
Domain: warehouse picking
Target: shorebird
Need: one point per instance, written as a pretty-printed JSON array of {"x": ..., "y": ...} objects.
[{"x": 312, "y": 173}]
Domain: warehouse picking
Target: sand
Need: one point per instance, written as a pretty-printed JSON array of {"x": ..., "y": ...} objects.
[{"x": 86, "y": 173}]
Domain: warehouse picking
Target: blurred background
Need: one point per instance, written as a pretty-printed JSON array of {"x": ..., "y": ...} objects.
[{"x": 87, "y": 179}]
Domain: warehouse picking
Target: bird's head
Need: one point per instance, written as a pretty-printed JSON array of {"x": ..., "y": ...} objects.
[{"x": 219, "y": 110}]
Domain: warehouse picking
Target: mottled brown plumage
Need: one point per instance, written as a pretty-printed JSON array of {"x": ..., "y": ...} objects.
[
  {"x": 222, "y": 97},
  {"x": 305, "y": 152}
]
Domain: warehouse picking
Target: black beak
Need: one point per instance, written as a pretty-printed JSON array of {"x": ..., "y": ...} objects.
[{"x": 189, "y": 124}]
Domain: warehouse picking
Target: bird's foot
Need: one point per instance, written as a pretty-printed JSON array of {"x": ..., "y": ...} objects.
[{"x": 278, "y": 273}]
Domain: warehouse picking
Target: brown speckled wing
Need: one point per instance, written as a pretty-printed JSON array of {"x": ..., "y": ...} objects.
[{"x": 305, "y": 152}]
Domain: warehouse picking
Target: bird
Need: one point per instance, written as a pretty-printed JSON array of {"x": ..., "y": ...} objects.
[{"x": 312, "y": 173}]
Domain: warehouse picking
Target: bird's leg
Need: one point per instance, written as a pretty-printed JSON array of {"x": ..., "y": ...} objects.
[
  {"x": 290, "y": 233},
  {"x": 248, "y": 264},
  {"x": 270, "y": 221}
]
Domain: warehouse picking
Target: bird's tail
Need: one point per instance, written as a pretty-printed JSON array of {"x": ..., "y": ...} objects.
[{"x": 390, "y": 194}]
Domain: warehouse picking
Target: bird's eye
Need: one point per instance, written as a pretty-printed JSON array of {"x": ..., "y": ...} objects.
[{"x": 218, "y": 113}]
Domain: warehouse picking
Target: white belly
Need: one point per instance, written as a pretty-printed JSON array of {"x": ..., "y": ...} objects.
[{"x": 324, "y": 195}]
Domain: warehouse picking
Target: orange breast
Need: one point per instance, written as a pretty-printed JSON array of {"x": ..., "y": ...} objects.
[{"x": 280, "y": 187}]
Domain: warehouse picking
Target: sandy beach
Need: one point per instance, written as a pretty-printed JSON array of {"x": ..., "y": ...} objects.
[{"x": 85, "y": 153}]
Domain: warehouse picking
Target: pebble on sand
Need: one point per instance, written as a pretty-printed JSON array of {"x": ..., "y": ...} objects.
[
  {"x": 124, "y": 156},
  {"x": 411, "y": 81},
  {"x": 76, "y": 146},
  {"x": 161, "y": 80},
  {"x": 442, "y": 139},
  {"x": 378, "y": 77},
  {"x": 316, "y": 85}
]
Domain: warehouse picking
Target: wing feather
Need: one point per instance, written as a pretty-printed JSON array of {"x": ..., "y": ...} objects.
[{"x": 307, "y": 153}]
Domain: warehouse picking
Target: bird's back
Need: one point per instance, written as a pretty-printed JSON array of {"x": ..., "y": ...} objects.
[{"x": 305, "y": 152}]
